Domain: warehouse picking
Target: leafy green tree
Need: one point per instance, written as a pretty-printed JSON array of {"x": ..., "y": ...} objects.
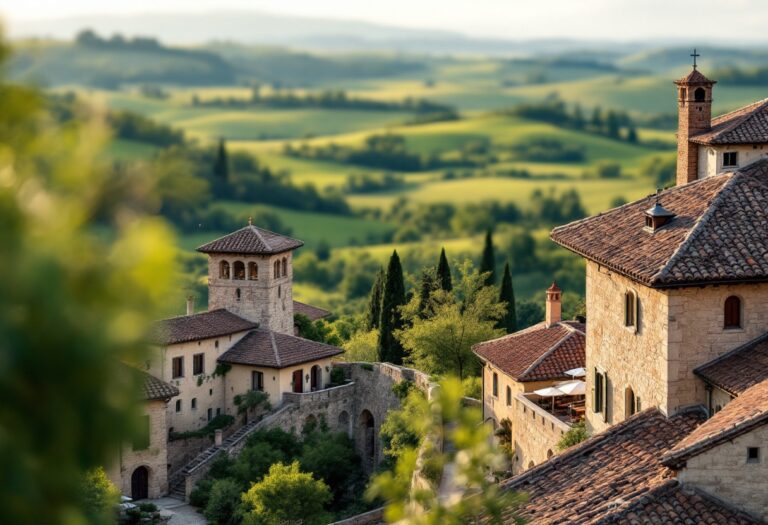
[
  {"x": 427, "y": 285},
  {"x": 393, "y": 297},
  {"x": 99, "y": 496},
  {"x": 442, "y": 343},
  {"x": 488, "y": 260},
  {"x": 68, "y": 286},
  {"x": 403, "y": 429},
  {"x": 474, "y": 454},
  {"x": 323, "y": 250},
  {"x": 362, "y": 346},
  {"x": 507, "y": 295},
  {"x": 254, "y": 462},
  {"x": 223, "y": 506},
  {"x": 287, "y": 495},
  {"x": 574, "y": 436},
  {"x": 330, "y": 457},
  {"x": 529, "y": 312},
  {"x": 250, "y": 400},
  {"x": 374, "y": 301},
  {"x": 221, "y": 165},
  {"x": 444, "y": 272}
]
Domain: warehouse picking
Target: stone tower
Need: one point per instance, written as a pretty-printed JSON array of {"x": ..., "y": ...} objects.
[
  {"x": 553, "y": 313},
  {"x": 250, "y": 273},
  {"x": 694, "y": 109}
]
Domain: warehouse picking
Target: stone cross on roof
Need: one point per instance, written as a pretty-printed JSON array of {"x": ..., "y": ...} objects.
[{"x": 694, "y": 55}]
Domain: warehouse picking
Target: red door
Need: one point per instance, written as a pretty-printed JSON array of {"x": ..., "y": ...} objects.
[{"x": 298, "y": 381}]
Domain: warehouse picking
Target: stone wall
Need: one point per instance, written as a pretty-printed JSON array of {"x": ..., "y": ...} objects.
[
  {"x": 374, "y": 516},
  {"x": 724, "y": 472},
  {"x": 182, "y": 451},
  {"x": 535, "y": 433}
]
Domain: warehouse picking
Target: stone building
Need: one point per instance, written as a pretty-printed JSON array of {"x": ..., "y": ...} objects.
[
  {"x": 516, "y": 365},
  {"x": 141, "y": 468},
  {"x": 676, "y": 352}
]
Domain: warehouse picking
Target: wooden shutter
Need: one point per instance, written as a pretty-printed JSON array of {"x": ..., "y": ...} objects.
[{"x": 605, "y": 396}]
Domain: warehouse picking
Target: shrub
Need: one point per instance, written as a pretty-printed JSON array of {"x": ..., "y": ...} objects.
[
  {"x": 337, "y": 376},
  {"x": 224, "y": 502},
  {"x": 473, "y": 387},
  {"x": 200, "y": 494},
  {"x": 574, "y": 436},
  {"x": 99, "y": 496}
]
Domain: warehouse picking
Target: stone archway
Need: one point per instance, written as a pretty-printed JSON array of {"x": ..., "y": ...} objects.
[
  {"x": 140, "y": 483},
  {"x": 310, "y": 424},
  {"x": 343, "y": 422},
  {"x": 367, "y": 438}
]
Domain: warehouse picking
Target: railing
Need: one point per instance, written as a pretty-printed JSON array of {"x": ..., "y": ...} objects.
[
  {"x": 542, "y": 414},
  {"x": 335, "y": 392}
]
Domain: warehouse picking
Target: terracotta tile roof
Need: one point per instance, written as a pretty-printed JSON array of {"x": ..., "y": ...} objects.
[
  {"x": 155, "y": 388},
  {"x": 312, "y": 312},
  {"x": 537, "y": 353},
  {"x": 694, "y": 77},
  {"x": 275, "y": 350},
  {"x": 253, "y": 241},
  {"x": 604, "y": 475},
  {"x": 673, "y": 504},
  {"x": 747, "y": 125},
  {"x": 746, "y": 412},
  {"x": 718, "y": 234},
  {"x": 740, "y": 368},
  {"x": 204, "y": 325}
]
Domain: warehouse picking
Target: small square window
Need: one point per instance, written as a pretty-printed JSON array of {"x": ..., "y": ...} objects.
[
  {"x": 753, "y": 455},
  {"x": 730, "y": 158}
]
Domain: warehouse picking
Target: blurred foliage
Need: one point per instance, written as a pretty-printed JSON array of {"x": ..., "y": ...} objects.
[
  {"x": 77, "y": 300},
  {"x": 475, "y": 457},
  {"x": 99, "y": 496}
]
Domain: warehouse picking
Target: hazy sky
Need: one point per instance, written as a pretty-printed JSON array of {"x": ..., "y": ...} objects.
[{"x": 600, "y": 19}]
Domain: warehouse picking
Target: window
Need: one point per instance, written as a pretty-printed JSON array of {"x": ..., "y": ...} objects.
[
  {"x": 253, "y": 271},
  {"x": 238, "y": 270},
  {"x": 285, "y": 267},
  {"x": 630, "y": 402},
  {"x": 198, "y": 364},
  {"x": 699, "y": 95},
  {"x": 177, "y": 367},
  {"x": 600, "y": 401},
  {"x": 216, "y": 343},
  {"x": 178, "y": 405},
  {"x": 730, "y": 159},
  {"x": 753, "y": 455},
  {"x": 237, "y": 294},
  {"x": 210, "y": 391},
  {"x": 210, "y": 414},
  {"x": 279, "y": 291},
  {"x": 224, "y": 270},
  {"x": 257, "y": 380},
  {"x": 193, "y": 403},
  {"x": 631, "y": 307},
  {"x": 141, "y": 439},
  {"x": 732, "y": 312},
  {"x": 495, "y": 385},
  {"x": 277, "y": 269},
  {"x": 218, "y": 411},
  {"x": 509, "y": 396}
]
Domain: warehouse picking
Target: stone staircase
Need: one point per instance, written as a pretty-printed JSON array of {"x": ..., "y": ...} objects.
[{"x": 178, "y": 480}]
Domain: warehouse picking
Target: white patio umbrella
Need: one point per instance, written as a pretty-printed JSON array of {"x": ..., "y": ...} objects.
[
  {"x": 550, "y": 391},
  {"x": 573, "y": 388},
  {"x": 576, "y": 372}
]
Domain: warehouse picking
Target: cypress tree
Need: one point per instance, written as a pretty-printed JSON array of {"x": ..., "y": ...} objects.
[
  {"x": 444, "y": 273},
  {"x": 427, "y": 285},
  {"x": 393, "y": 297},
  {"x": 221, "y": 166},
  {"x": 374, "y": 302},
  {"x": 507, "y": 295},
  {"x": 488, "y": 261}
]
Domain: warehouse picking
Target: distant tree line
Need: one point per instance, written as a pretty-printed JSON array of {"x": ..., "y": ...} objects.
[
  {"x": 132, "y": 126},
  {"x": 756, "y": 76},
  {"x": 543, "y": 149}
]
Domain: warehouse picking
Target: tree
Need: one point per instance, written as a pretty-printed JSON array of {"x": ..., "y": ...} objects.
[
  {"x": 574, "y": 436},
  {"x": 427, "y": 285},
  {"x": 612, "y": 124},
  {"x": 507, "y": 295},
  {"x": 221, "y": 165},
  {"x": 597, "y": 119},
  {"x": 374, "y": 301},
  {"x": 444, "y": 272},
  {"x": 578, "y": 117},
  {"x": 99, "y": 496},
  {"x": 70, "y": 287},
  {"x": 488, "y": 261},
  {"x": 442, "y": 343},
  {"x": 632, "y": 135},
  {"x": 323, "y": 250},
  {"x": 223, "y": 506},
  {"x": 287, "y": 495},
  {"x": 393, "y": 297},
  {"x": 331, "y": 458},
  {"x": 362, "y": 346}
]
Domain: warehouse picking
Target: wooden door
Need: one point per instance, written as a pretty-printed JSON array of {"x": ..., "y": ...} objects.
[
  {"x": 140, "y": 484},
  {"x": 298, "y": 381}
]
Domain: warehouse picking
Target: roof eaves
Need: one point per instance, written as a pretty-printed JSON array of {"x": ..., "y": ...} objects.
[
  {"x": 699, "y": 369},
  {"x": 546, "y": 354}
]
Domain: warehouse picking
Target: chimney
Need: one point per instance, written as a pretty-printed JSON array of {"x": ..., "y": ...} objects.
[
  {"x": 657, "y": 216},
  {"x": 190, "y": 304},
  {"x": 554, "y": 306}
]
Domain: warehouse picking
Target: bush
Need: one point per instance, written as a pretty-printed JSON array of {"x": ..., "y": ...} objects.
[
  {"x": 337, "y": 376},
  {"x": 224, "y": 502},
  {"x": 473, "y": 387},
  {"x": 200, "y": 494},
  {"x": 99, "y": 496},
  {"x": 574, "y": 436}
]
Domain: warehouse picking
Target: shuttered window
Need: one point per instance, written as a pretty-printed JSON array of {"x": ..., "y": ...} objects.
[{"x": 732, "y": 313}]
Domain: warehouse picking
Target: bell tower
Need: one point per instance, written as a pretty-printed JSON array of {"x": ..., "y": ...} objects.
[
  {"x": 694, "y": 110},
  {"x": 250, "y": 273}
]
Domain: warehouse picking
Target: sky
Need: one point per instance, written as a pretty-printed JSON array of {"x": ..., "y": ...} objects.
[{"x": 739, "y": 20}]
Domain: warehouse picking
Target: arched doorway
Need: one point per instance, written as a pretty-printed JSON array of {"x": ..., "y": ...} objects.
[
  {"x": 140, "y": 483},
  {"x": 316, "y": 378},
  {"x": 368, "y": 433},
  {"x": 343, "y": 423}
]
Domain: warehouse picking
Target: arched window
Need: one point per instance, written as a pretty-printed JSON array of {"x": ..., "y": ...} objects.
[
  {"x": 253, "y": 271},
  {"x": 238, "y": 270},
  {"x": 732, "y": 313},
  {"x": 509, "y": 396},
  {"x": 495, "y": 385},
  {"x": 630, "y": 405},
  {"x": 285, "y": 267},
  {"x": 699, "y": 95},
  {"x": 631, "y": 306},
  {"x": 237, "y": 294},
  {"x": 277, "y": 269},
  {"x": 549, "y": 453},
  {"x": 224, "y": 270}
]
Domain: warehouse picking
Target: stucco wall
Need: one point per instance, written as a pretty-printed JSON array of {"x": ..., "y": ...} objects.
[
  {"x": 267, "y": 300},
  {"x": 495, "y": 407},
  {"x": 724, "y": 473},
  {"x": 711, "y": 158},
  {"x": 154, "y": 457}
]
